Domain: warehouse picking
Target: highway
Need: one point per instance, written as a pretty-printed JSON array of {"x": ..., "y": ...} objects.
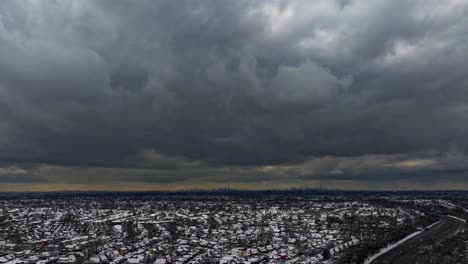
[{"x": 407, "y": 252}]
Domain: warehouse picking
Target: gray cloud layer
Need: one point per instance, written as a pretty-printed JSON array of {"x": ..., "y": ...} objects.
[{"x": 232, "y": 90}]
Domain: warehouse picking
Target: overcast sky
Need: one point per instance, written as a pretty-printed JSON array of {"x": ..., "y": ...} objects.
[{"x": 259, "y": 94}]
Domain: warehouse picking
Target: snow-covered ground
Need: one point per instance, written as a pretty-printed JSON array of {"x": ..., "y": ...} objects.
[
  {"x": 390, "y": 247},
  {"x": 433, "y": 224},
  {"x": 458, "y": 218}
]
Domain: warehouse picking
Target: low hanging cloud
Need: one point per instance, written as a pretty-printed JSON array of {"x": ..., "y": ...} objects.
[{"x": 233, "y": 91}]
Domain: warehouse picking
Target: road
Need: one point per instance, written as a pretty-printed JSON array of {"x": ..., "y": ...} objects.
[{"x": 406, "y": 253}]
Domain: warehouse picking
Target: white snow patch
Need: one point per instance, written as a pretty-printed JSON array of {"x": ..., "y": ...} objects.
[
  {"x": 433, "y": 224},
  {"x": 118, "y": 228},
  {"x": 458, "y": 218}
]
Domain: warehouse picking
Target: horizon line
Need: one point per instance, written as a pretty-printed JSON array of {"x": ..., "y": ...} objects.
[{"x": 232, "y": 190}]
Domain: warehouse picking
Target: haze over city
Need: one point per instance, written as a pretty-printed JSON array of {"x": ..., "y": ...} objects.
[{"x": 264, "y": 94}]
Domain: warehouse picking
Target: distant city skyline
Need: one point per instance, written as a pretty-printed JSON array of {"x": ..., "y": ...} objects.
[{"x": 252, "y": 94}]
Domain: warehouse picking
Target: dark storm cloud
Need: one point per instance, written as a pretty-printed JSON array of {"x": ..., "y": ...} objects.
[{"x": 222, "y": 89}]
